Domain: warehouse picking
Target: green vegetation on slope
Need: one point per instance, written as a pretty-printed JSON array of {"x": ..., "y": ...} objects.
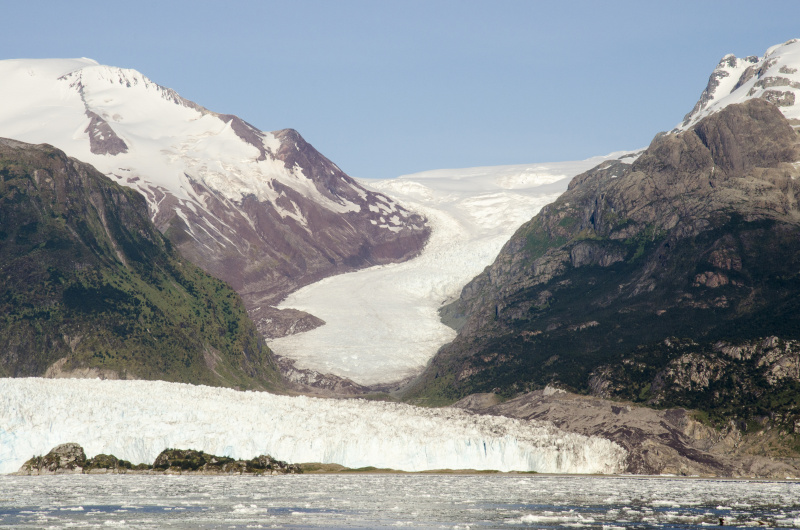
[{"x": 88, "y": 283}]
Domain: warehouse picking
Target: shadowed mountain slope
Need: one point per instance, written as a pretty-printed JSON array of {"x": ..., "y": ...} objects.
[
  {"x": 90, "y": 288},
  {"x": 672, "y": 281}
]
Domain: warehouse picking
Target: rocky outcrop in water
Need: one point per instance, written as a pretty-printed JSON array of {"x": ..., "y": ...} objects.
[
  {"x": 70, "y": 458},
  {"x": 62, "y": 459},
  {"x": 181, "y": 461}
]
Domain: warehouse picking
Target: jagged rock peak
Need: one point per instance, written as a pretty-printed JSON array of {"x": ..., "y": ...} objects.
[
  {"x": 733, "y": 140},
  {"x": 775, "y": 77}
]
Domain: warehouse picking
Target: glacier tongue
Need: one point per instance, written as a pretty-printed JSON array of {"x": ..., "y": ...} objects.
[
  {"x": 394, "y": 308},
  {"x": 136, "y": 420}
]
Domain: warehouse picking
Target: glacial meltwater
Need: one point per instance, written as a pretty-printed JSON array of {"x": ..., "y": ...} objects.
[{"x": 394, "y": 500}]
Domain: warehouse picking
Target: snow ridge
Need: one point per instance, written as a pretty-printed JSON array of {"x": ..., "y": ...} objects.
[
  {"x": 774, "y": 77},
  {"x": 135, "y": 420},
  {"x": 165, "y": 137}
]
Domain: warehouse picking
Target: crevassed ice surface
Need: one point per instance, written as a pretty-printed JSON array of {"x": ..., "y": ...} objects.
[
  {"x": 382, "y": 323},
  {"x": 390, "y": 501},
  {"x": 136, "y": 420}
]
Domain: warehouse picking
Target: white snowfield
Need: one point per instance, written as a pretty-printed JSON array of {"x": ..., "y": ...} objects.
[
  {"x": 382, "y": 323},
  {"x": 136, "y": 420}
]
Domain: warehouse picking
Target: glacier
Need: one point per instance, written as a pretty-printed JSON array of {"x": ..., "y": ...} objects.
[
  {"x": 382, "y": 323},
  {"x": 136, "y": 420}
]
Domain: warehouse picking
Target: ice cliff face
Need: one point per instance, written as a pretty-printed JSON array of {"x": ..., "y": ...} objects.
[
  {"x": 774, "y": 77},
  {"x": 136, "y": 420},
  {"x": 263, "y": 211}
]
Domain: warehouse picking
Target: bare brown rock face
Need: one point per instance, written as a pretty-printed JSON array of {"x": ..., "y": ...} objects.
[
  {"x": 102, "y": 138},
  {"x": 695, "y": 244}
]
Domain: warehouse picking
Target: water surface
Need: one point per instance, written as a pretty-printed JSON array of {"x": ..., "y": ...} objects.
[{"x": 383, "y": 501}]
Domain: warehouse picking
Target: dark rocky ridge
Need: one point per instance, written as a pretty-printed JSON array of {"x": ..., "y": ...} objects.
[
  {"x": 696, "y": 243},
  {"x": 89, "y": 287}
]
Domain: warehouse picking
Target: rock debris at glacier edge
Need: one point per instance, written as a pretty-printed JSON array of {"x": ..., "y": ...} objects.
[{"x": 136, "y": 420}]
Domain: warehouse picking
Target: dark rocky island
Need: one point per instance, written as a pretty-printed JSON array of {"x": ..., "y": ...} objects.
[{"x": 70, "y": 458}]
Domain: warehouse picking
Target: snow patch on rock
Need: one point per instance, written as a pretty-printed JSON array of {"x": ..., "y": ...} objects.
[{"x": 774, "y": 77}]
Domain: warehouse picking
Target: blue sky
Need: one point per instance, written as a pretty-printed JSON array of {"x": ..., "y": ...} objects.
[{"x": 387, "y": 88}]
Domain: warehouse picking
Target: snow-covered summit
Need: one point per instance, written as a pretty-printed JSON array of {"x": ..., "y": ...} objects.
[
  {"x": 72, "y": 103},
  {"x": 262, "y": 210},
  {"x": 774, "y": 77}
]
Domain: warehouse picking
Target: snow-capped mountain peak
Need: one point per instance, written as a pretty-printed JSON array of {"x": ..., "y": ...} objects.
[
  {"x": 774, "y": 77},
  {"x": 262, "y": 210}
]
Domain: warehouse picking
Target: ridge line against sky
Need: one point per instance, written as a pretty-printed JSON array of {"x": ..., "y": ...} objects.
[{"x": 388, "y": 88}]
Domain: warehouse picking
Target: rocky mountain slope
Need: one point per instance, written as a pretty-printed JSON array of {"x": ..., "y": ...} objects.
[
  {"x": 89, "y": 287},
  {"x": 671, "y": 281},
  {"x": 264, "y": 211},
  {"x": 671, "y": 441}
]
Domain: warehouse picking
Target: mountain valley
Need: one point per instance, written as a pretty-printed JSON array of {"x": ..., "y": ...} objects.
[
  {"x": 263, "y": 211},
  {"x": 642, "y": 305}
]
